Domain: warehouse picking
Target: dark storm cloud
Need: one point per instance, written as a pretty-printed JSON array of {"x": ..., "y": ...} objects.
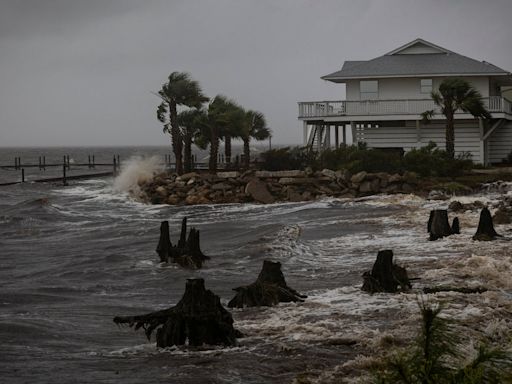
[{"x": 76, "y": 72}]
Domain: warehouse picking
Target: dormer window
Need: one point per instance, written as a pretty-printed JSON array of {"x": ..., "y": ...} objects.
[
  {"x": 426, "y": 86},
  {"x": 369, "y": 89}
]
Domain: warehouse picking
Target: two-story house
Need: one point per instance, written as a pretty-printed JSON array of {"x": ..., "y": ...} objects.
[{"x": 385, "y": 97}]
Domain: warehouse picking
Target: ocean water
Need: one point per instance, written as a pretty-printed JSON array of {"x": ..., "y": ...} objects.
[{"x": 73, "y": 257}]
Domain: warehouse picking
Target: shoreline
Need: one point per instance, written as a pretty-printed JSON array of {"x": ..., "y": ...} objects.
[{"x": 267, "y": 187}]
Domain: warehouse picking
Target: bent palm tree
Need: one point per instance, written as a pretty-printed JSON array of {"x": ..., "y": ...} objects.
[
  {"x": 234, "y": 129},
  {"x": 179, "y": 90},
  {"x": 222, "y": 114},
  {"x": 455, "y": 94},
  {"x": 189, "y": 122},
  {"x": 255, "y": 128}
]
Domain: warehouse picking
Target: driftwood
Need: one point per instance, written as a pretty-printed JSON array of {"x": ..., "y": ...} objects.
[
  {"x": 198, "y": 318},
  {"x": 448, "y": 288},
  {"x": 386, "y": 276},
  {"x": 188, "y": 251},
  {"x": 485, "y": 230},
  {"x": 438, "y": 225},
  {"x": 270, "y": 288}
]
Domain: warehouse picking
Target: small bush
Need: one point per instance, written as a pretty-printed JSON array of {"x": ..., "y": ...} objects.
[
  {"x": 427, "y": 161},
  {"x": 432, "y": 161},
  {"x": 287, "y": 158}
]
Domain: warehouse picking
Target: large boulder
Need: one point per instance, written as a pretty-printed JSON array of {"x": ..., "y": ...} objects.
[
  {"x": 259, "y": 192},
  {"x": 358, "y": 177}
]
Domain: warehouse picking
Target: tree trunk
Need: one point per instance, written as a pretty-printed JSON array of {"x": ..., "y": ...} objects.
[
  {"x": 214, "y": 150},
  {"x": 485, "y": 230},
  {"x": 450, "y": 134},
  {"x": 438, "y": 225},
  {"x": 247, "y": 151},
  {"x": 187, "y": 253},
  {"x": 187, "y": 153},
  {"x": 270, "y": 288},
  {"x": 227, "y": 149},
  {"x": 164, "y": 244},
  {"x": 385, "y": 276},
  {"x": 198, "y": 318},
  {"x": 177, "y": 139}
]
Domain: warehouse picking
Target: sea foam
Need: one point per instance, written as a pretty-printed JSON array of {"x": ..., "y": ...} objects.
[{"x": 134, "y": 171}]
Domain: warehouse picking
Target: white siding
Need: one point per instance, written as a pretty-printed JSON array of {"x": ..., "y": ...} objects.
[
  {"x": 409, "y": 88},
  {"x": 467, "y": 137},
  {"x": 500, "y": 143},
  {"x": 418, "y": 48}
]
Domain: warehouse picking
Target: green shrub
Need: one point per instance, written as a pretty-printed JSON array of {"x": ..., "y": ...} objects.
[
  {"x": 287, "y": 158},
  {"x": 432, "y": 161},
  {"x": 358, "y": 158},
  {"x": 426, "y": 161}
]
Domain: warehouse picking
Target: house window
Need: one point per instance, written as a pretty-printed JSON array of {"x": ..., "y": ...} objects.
[
  {"x": 369, "y": 89},
  {"x": 426, "y": 86}
]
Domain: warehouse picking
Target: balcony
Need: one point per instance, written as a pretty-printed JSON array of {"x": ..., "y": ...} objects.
[{"x": 322, "y": 109}]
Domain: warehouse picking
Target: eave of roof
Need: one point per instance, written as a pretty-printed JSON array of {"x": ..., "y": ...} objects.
[{"x": 393, "y": 65}]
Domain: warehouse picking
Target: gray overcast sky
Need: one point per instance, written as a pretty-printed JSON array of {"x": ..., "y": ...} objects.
[{"x": 75, "y": 72}]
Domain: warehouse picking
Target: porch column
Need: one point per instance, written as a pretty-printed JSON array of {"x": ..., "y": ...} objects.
[
  {"x": 353, "y": 128},
  {"x": 337, "y": 135},
  {"x": 327, "y": 140},
  {"x": 344, "y": 134},
  {"x": 418, "y": 133},
  {"x": 483, "y": 154},
  {"x": 319, "y": 132},
  {"x": 305, "y": 132}
]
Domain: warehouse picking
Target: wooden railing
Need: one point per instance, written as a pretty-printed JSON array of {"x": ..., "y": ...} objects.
[{"x": 386, "y": 107}]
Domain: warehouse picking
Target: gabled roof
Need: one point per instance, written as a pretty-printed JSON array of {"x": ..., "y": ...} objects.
[{"x": 415, "y": 59}]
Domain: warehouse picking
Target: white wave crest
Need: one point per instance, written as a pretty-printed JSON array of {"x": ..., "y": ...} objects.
[{"x": 134, "y": 171}]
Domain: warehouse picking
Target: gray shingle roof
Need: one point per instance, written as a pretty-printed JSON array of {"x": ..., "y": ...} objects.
[{"x": 413, "y": 65}]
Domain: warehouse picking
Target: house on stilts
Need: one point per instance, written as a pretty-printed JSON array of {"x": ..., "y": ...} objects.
[{"x": 386, "y": 95}]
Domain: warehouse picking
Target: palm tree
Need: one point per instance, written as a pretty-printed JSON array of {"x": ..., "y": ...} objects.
[
  {"x": 221, "y": 114},
  {"x": 234, "y": 129},
  {"x": 255, "y": 127},
  {"x": 189, "y": 122},
  {"x": 455, "y": 94},
  {"x": 179, "y": 90}
]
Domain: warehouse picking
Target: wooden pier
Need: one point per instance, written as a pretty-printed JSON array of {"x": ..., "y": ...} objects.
[
  {"x": 66, "y": 165},
  {"x": 91, "y": 164}
]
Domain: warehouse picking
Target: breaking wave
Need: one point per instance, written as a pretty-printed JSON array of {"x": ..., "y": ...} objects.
[{"x": 135, "y": 171}]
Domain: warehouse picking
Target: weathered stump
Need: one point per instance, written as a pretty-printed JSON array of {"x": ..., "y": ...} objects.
[
  {"x": 485, "y": 230},
  {"x": 455, "y": 226},
  {"x": 438, "y": 225},
  {"x": 164, "y": 244},
  {"x": 198, "y": 318},
  {"x": 386, "y": 276},
  {"x": 269, "y": 289},
  {"x": 188, "y": 251}
]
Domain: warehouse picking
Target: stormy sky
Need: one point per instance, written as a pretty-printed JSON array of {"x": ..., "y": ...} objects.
[{"x": 75, "y": 72}]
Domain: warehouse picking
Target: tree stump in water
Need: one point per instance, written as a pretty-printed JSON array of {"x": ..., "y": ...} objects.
[
  {"x": 438, "y": 225},
  {"x": 485, "y": 230},
  {"x": 386, "y": 276},
  {"x": 270, "y": 288},
  {"x": 198, "y": 318},
  {"x": 164, "y": 244},
  {"x": 188, "y": 251},
  {"x": 456, "y": 226}
]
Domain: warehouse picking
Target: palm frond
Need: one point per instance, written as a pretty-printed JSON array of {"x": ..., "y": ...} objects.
[{"x": 427, "y": 116}]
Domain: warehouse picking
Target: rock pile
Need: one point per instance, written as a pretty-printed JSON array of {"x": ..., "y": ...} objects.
[{"x": 267, "y": 187}]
